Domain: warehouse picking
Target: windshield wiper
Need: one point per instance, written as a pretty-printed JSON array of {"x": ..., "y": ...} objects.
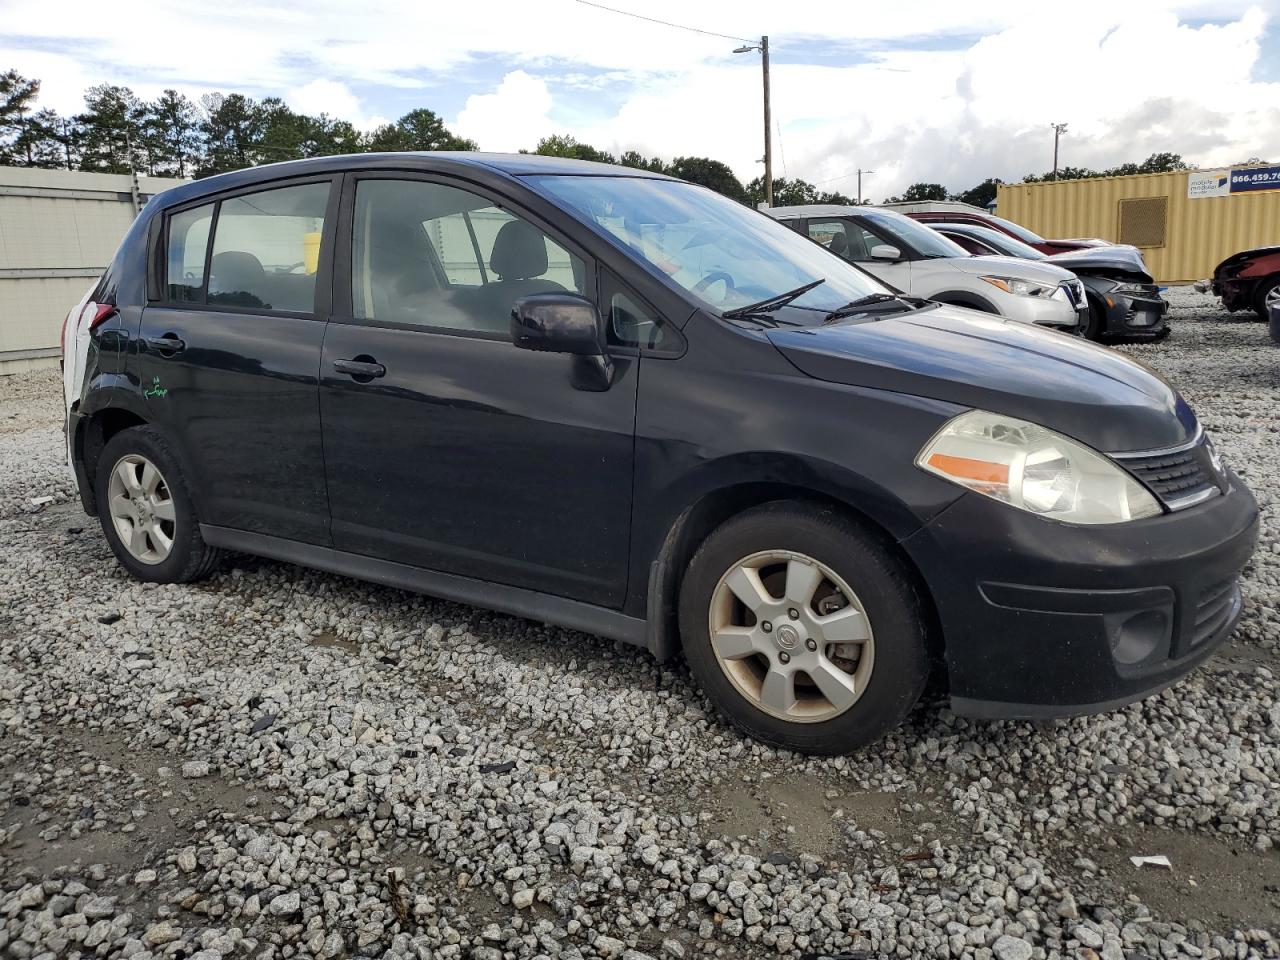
[
  {"x": 771, "y": 303},
  {"x": 862, "y": 303}
]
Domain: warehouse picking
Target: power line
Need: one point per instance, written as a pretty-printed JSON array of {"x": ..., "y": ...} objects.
[{"x": 665, "y": 23}]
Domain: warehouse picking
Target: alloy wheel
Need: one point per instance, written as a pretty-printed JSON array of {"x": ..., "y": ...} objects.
[
  {"x": 1272, "y": 298},
  {"x": 142, "y": 509},
  {"x": 792, "y": 636}
]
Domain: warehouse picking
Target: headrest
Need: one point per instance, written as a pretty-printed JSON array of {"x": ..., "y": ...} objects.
[
  {"x": 236, "y": 270},
  {"x": 519, "y": 251}
]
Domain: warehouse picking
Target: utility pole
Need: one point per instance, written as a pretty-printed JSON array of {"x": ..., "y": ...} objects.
[
  {"x": 1058, "y": 130},
  {"x": 763, "y": 48},
  {"x": 860, "y": 173}
]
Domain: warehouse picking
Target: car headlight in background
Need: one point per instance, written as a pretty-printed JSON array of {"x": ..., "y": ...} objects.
[
  {"x": 1135, "y": 289},
  {"x": 1034, "y": 469},
  {"x": 1023, "y": 288}
]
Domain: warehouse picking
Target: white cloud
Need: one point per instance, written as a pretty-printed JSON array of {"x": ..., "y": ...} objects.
[
  {"x": 1130, "y": 77},
  {"x": 333, "y": 98},
  {"x": 515, "y": 115}
]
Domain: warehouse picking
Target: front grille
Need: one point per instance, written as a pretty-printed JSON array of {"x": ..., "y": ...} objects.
[
  {"x": 1180, "y": 478},
  {"x": 1215, "y": 606}
]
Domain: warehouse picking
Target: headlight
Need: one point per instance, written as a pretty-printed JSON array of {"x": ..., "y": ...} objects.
[
  {"x": 1023, "y": 288},
  {"x": 1034, "y": 469},
  {"x": 1135, "y": 289}
]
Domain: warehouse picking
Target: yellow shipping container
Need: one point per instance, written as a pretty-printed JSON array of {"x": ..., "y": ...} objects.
[{"x": 1181, "y": 238}]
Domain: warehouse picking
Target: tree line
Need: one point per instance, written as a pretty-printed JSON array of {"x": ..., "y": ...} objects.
[{"x": 119, "y": 132}]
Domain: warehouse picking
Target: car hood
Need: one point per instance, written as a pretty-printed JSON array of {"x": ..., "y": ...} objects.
[
  {"x": 1015, "y": 267},
  {"x": 1091, "y": 259},
  {"x": 1237, "y": 259},
  {"x": 1088, "y": 392}
]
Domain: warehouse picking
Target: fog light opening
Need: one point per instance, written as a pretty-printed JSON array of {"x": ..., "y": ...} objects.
[{"x": 1139, "y": 635}]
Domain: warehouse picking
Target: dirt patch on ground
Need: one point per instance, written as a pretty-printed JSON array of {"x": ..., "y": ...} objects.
[{"x": 1210, "y": 879}]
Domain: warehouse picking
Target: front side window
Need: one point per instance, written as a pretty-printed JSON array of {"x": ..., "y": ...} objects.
[
  {"x": 433, "y": 255},
  {"x": 913, "y": 235},
  {"x": 266, "y": 249},
  {"x": 844, "y": 238},
  {"x": 188, "y": 244},
  {"x": 720, "y": 251}
]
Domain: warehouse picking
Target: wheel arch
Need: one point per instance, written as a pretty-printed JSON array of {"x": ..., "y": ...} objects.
[
  {"x": 96, "y": 428},
  {"x": 965, "y": 298},
  {"x": 713, "y": 508}
]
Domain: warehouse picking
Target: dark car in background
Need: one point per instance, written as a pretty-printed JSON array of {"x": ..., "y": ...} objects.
[
  {"x": 620, "y": 403},
  {"x": 1123, "y": 299},
  {"x": 1248, "y": 280},
  {"x": 951, "y": 211}
]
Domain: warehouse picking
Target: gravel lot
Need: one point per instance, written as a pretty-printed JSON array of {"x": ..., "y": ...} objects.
[{"x": 281, "y": 763}]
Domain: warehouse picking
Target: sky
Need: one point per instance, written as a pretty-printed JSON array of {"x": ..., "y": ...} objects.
[{"x": 914, "y": 90}]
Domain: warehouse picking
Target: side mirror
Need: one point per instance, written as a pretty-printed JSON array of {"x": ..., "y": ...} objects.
[
  {"x": 565, "y": 323},
  {"x": 557, "y": 323},
  {"x": 885, "y": 251}
]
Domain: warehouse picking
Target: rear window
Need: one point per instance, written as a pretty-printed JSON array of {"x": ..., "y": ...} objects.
[{"x": 266, "y": 250}]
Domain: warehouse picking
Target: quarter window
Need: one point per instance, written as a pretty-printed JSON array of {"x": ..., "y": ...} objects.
[
  {"x": 432, "y": 255},
  {"x": 266, "y": 249},
  {"x": 188, "y": 244}
]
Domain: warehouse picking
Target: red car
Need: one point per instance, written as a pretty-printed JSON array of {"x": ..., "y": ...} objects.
[
  {"x": 951, "y": 211},
  {"x": 1248, "y": 280}
]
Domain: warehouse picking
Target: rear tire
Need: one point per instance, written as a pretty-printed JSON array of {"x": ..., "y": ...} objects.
[
  {"x": 1268, "y": 293},
  {"x": 146, "y": 510},
  {"x": 792, "y": 671}
]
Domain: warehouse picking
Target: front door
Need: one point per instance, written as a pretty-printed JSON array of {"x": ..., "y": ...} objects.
[
  {"x": 229, "y": 356},
  {"x": 446, "y": 446},
  {"x": 851, "y": 240}
]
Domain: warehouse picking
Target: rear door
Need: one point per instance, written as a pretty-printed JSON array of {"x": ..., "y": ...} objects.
[{"x": 230, "y": 351}]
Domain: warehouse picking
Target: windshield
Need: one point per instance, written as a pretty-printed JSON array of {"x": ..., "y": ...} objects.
[
  {"x": 911, "y": 233},
  {"x": 1021, "y": 232},
  {"x": 725, "y": 254},
  {"x": 1001, "y": 241}
]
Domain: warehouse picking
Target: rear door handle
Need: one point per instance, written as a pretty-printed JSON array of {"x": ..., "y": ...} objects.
[
  {"x": 168, "y": 344},
  {"x": 362, "y": 370}
]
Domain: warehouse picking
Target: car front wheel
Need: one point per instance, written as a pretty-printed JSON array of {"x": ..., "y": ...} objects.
[
  {"x": 803, "y": 630},
  {"x": 1268, "y": 296}
]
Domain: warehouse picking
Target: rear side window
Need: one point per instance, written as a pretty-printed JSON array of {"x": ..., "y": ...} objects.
[
  {"x": 188, "y": 244},
  {"x": 266, "y": 249}
]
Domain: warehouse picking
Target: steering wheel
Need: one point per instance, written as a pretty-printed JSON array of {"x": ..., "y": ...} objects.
[{"x": 712, "y": 277}]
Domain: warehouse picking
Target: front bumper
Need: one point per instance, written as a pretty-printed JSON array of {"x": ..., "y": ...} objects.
[
  {"x": 1236, "y": 294},
  {"x": 1135, "y": 316},
  {"x": 1055, "y": 312},
  {"x": 1044, "y": 619}
]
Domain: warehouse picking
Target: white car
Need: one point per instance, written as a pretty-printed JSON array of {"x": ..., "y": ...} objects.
[{"x": 921, "y": 262}]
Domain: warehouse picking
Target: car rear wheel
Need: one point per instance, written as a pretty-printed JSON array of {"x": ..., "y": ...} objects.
[
  {"x": 803, "y": 630},
  {"x": 146, "y": 510},
  {"x": 1268, "y": 296}
]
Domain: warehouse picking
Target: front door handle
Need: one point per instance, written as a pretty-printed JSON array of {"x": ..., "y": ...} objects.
[
  {"x": 362, "y": 368},
  {"x": 167, "y": 345}
]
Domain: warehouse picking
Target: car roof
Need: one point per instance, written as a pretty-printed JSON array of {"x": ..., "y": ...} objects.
[
  {"x": 508, "y": 164},
  {"x": 826, "y": 210}
]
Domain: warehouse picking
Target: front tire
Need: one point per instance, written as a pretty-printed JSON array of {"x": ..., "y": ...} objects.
[
  {"x": 1268, "y": 295},
  {"x": 146, "y": 510},
  {"x": 803, "y": 630}
]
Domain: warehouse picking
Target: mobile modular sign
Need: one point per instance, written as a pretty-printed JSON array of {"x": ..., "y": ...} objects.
[{"x": 1224, "y": 183}]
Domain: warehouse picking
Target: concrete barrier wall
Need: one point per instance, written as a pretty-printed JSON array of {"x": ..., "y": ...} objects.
[{"x": 58, "y": 232}]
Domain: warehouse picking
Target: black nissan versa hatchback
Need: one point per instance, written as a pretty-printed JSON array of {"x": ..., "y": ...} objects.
[{"x": 613, "y": 401}]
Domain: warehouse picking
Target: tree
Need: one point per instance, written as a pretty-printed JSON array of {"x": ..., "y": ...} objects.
[
  {"x": 981, "y": 195},
  {"x": 232, "y": 130},
  {"x": 709, "y": 173},
  {"x": 171, "y": 134},
  {"x": 110, "y": 130},
  {"x": 924, "y": 191},
  {"x": 17, "y": 99},
  {"x": 638, "y": 161},
  {"x": 418, "y": 129},
  {"x": 560, "y": 145}
]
